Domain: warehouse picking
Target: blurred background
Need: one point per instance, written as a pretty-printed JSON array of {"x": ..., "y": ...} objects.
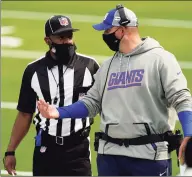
[{"x": 22, "y": 33}]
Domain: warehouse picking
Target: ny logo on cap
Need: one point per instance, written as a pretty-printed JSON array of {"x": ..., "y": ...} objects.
[
  {"x": 63, "y": 21},
  {"x": 105, "y": 16}
]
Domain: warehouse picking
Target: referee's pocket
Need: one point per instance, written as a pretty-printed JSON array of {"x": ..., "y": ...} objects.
[{"x": 84, "y": 148}]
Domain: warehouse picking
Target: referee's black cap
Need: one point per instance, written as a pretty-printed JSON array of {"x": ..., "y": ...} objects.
[{"x": 58, "y": 24}]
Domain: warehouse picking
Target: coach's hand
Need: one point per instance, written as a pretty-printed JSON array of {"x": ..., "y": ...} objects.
[
  {"x": 48, "y": 111},
  {"x": 10, "y": 164},
  {"x": 182, "y": 150}
]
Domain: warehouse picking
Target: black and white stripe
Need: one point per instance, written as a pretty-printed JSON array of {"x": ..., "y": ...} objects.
[{"x": 67, "y": 84}]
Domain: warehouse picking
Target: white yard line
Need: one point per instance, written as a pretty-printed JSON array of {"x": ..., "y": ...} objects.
[
  {"x": 27, "y": 54},
  {"x": 8, "y": 105},
  {"x": 29, "y": 15},
  {"x": 7, "y": 30},
  {"x": 24, "y": 173},
  {"x": 19, "y": 173}
]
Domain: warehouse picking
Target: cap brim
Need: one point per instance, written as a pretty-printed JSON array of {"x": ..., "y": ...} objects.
[
  {"x": 102, "y": 26},
  {"x": 64, "y": 30}
]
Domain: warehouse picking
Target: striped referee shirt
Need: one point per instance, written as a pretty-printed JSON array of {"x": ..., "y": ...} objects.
[{"x": 59, "y": 85}]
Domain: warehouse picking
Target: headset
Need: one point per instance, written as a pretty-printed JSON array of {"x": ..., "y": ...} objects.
[
  {"x": 123, "y": 22},
  {"x": 123, "y": 19}
]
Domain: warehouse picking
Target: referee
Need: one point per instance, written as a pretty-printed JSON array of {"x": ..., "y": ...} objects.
[{"x": 61, "y": 77}]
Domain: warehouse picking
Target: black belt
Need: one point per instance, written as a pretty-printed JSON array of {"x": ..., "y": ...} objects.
[
  {"x": 66, "y": 141},
  {"x": 133, "y": 141}
]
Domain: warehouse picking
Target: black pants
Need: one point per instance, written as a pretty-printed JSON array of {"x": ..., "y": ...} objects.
[{"x": 56, "y": 160}]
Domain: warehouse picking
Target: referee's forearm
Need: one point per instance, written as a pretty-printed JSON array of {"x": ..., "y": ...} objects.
[{"x": 20, "y": 129}]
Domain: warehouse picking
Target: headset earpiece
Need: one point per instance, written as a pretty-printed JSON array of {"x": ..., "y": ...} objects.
[{"x": 123, "y": 19}]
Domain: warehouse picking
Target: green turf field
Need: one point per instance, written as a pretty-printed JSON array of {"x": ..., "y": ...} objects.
[{"x": 30, "y": 29}]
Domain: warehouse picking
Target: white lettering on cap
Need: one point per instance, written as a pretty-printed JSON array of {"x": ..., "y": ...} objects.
[{"x": 105, "y": 16}]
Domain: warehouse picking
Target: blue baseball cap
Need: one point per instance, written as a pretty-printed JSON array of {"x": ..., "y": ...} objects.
[{"x": 112, "y": 18}]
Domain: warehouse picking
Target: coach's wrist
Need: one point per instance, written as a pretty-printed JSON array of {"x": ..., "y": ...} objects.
[
  {"x": 59, "y": 110},
  {"x": 62, "y": 113}
]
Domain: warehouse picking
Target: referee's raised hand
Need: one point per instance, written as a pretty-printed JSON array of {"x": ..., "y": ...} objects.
[{"x": 48, "y": 111}]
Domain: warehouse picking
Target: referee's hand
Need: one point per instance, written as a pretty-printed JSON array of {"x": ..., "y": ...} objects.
[
  {"x": 48, "y": 111},
  {"x": 182, "y": 149},
  {"x": 9, "y": 164}
]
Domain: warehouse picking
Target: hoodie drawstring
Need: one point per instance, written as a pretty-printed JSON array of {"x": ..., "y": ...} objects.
[
  {"x": 121, "y": 56},
  {"x": 127, "y": 68}
]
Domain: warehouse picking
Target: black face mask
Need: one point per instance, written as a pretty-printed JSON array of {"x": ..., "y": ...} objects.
[
  {"x": 63, "y": 52},
  {"x": 111, "y": 41}
]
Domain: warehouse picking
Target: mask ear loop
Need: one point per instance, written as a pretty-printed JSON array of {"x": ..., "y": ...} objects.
[{"x": 52, "y": 48}]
